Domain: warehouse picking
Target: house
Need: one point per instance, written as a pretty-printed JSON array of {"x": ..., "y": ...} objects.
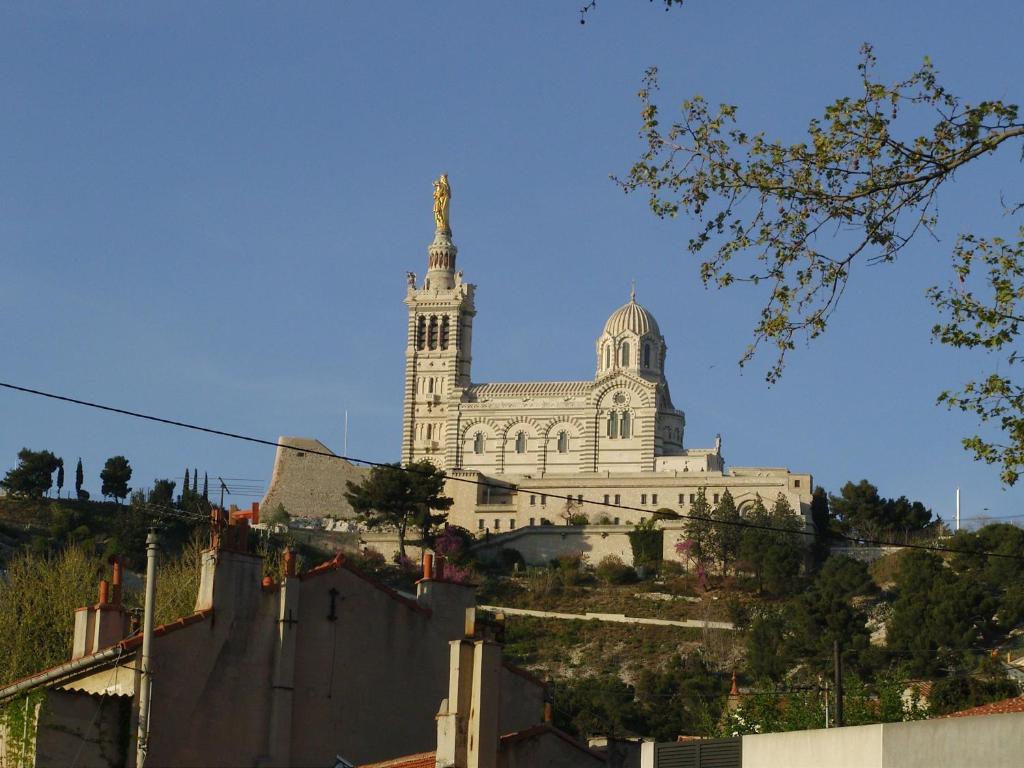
[
  {"x": 326, "y": 663},
  {"x": 469, "y": 727}
]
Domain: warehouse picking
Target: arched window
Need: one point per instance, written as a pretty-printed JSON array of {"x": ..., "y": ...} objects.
[
  {"x": 563, "y": 442},
  {"x": 607, "y": 356},
  {"x": 625, "y": 424},
  {"x": 430, "y": 431},
  {"x": 478, "y": 443},
  {"x": 613, "y": 424},
  {"x": 647, "y": 355},
  {"x": 432, "y": 333},
  {"x": 430, "y": 385},
  {"x": 625, "y": 353},
  {"x": 444, "y": 332},
  {"x": 421, "y": 332},
  {"x": 521, "y": 442}
]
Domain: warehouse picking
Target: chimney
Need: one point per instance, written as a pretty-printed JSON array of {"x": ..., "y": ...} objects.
[
  {"x": 467, "y": 724},
  {"x": 100, "y": 626},
  {"x": 255, "y": 513},
  {"x": 117, "y": 594},
  {"x": 482, "y": 744},
  {"x": 428, "y": 566}
]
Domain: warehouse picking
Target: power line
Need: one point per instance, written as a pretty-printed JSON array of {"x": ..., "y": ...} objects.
[{"x": 519, "y": 488}]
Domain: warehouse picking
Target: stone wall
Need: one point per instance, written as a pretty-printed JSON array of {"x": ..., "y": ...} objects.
[
  {"x": 308, "y": 484},
  {"x": 540, "y": 544}
]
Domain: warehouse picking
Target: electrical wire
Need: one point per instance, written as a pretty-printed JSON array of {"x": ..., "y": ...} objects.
[{"x": 519, "y": 488}]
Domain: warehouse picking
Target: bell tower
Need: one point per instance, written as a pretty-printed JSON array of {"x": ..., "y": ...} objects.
[{"x": 438, "y": 345}]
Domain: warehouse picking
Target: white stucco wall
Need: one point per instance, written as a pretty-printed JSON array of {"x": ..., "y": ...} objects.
[{"x": 989, "y": 741}]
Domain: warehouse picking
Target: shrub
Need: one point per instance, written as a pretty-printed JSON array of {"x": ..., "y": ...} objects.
[
  {"x": 578, "y": 518},
  {"x": 646, "y": 539},
  {"x": 612, "y": 570}
]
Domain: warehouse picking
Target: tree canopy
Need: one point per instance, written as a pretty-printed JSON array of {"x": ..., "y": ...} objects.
[
  {"x": 395, "y": 497},
  {"x": 859, "y": 510},
  {"x": 33, "y": 476},
  {"x": 115, "y": 476},
  {"x": 795, "y": 217}
]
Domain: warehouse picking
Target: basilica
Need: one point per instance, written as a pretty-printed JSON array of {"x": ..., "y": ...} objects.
[{"x": 609, "y": 443}]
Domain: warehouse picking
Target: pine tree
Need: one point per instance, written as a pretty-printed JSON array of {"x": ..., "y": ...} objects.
[
  {"x": 79, "y": 479},
  {"x": 727, "y": 532},
  {"x": 699, "y": 527}
]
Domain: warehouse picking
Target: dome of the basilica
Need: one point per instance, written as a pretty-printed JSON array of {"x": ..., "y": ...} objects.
[{"x": 631, "y": 317}]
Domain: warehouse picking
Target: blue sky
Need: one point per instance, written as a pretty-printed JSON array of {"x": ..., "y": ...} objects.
[{"x": 207, "y": 213}]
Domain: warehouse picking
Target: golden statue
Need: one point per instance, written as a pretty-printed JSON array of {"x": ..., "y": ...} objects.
[{"x": 442, "y": 200}]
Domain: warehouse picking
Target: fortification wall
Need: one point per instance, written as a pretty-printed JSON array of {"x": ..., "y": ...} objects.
[{"x": 308, "y": 484}]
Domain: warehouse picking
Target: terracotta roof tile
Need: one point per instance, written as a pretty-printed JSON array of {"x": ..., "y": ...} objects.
[
  {"x": 421, "y": 760},
  {"x": 1003, "y": 707}
]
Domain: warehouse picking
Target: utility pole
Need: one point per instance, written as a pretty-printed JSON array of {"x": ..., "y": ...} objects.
[
  {"x": 223, "y": 487},
  {"x": 838, "y": 661},
  {"x": 958, "y": 509},
  {"x": 146, "y": 677}
]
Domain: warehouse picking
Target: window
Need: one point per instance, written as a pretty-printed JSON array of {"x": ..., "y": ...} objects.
[
  {"x": 624, "y": 431},
  {"x": 478, "y": 442},
  {"x": 680, "y": 499},
  {"x": 481, "y": 525},
  {"x": 543, "y": 499},
  {"x": 563, "y": 442},
  {"x": 432, "y": 333},
  {"x": 613, "y": 424},
  {"x": 643, "y": 498},
  {"x": 533, "y": 521},
  {"x": 430, "y": 431},
  {"x": 521, "y": 442},
  {"x": 444, "y": 332},
  {"x": 647, "y": 355},
  {"x": 654, "y": 498},
  {"x": 511, "y": 523},
  {"x": 533, "y": 499},
  {"x": 616, "y": 521},
  {"x": 607, "y": 356},
  {"x": 618, "y": 499},
  {"x": 579, "y": 498},
  {"x": 693, "y": 497},
  {"x": 430, "y": 385},
  {"x": 421, "y": 332},
  {"x": 625, "y": 353},
  {"x": 796, "y": 483},
  {"x": 716, "y": 498},
  {"x": 606, "y": 498},
  {"x": 497, "y": 524}
]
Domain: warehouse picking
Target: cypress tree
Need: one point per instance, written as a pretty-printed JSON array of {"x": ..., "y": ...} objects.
[
  {"x": 79, "y": 478},
  {"x": 195, "y": 482},
  {"x": 206, "y": 486},
  {"x": 185, "y": 488},
  {"x": 60, "y": 477}
]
